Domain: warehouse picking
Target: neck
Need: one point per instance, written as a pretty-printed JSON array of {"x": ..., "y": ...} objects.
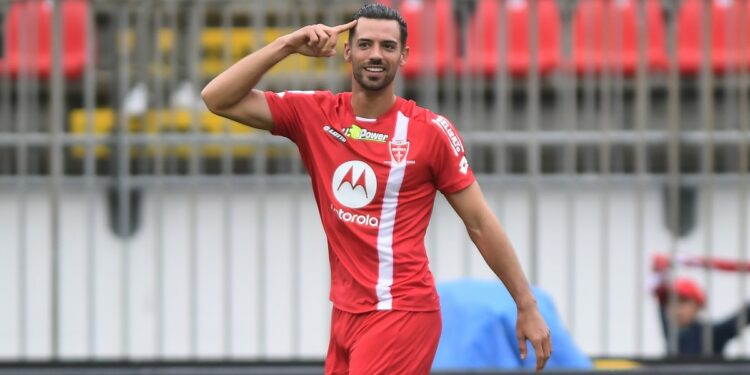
[{"x": 371, "y": 104}]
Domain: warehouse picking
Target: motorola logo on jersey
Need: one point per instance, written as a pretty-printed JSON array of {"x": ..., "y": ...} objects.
[
  {"x": 349, "y": 217},
  {"x": 354, "y": 184}
]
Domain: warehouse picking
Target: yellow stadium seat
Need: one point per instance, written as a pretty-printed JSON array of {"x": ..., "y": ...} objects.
[
  {"x": 242, "y": 41},
  {"x": 164, "y": 121}
]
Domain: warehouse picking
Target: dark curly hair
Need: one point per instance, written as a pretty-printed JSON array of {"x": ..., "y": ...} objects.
[{"x": 380, "y": 12}]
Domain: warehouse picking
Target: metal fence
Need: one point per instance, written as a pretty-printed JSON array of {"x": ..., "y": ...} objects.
[{"x": 137, "y": 225}]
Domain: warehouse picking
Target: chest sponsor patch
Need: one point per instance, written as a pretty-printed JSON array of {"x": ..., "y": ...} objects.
[
  {"x": 362, "y": 134},
  {"x": 354, "y": 184}
]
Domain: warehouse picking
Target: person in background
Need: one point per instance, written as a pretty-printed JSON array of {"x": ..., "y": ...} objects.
[{"x": 689, "y": 301}]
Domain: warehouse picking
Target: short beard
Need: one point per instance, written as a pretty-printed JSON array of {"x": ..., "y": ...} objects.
[{"x": 373, "y": 86}]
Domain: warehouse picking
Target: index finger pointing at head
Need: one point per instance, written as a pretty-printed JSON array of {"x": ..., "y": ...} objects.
[{"x": 344, "y": 27}]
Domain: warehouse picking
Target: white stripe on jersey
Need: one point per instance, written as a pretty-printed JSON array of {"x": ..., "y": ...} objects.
[{"x": 388, "y": 219}]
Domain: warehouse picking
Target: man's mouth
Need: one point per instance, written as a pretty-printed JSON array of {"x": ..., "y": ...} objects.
[{"x": 375, "y": 69}]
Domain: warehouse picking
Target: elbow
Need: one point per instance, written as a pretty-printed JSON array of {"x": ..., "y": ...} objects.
[
  {"x": 476, "y": 224},
  {"x": 483, "y": 226},
  {"x": 212, "y": 98},
  {"x": 205, "y": 94},
  {"x": 208, "y": 99},
  {"x": 475, "y": 231}
]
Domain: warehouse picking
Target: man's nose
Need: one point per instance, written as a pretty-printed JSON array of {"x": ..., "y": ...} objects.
[{"x": 376, "y": 54}]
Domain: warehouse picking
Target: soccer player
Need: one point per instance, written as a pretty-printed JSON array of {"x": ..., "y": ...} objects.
[{"x": 376, "y": 161}]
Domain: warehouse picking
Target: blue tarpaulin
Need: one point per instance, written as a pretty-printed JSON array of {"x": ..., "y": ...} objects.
[{"x": 479, "y": 330}]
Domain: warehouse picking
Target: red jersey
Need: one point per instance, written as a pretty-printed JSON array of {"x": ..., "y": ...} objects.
[{"x": 374, "y": 181}]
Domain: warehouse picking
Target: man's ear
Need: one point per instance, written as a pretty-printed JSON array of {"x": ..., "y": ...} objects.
[
  {"x": 404, "y": 56},
  {"x": 347, "y": 52}
]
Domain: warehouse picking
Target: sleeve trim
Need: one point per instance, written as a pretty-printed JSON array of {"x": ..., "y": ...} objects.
[{"x": 458, "y": 186}]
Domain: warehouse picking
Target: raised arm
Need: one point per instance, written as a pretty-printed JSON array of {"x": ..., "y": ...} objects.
[
  {"x": 729, "y": 328},
  {"x": 490, "y": 238},
  {"x": 660, "y": 265},
  {"x": 232, "y": 94}
]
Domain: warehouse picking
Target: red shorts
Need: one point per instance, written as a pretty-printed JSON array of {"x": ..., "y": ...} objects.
[{"x": 383, "y": 342}]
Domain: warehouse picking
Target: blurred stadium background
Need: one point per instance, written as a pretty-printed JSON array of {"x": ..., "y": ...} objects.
[{"x": 135, "y": 225}]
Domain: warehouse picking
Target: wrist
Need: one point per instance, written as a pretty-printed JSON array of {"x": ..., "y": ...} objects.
[
  {"x": 526, "y": 304},
  {"x": 285, "y": 45}
]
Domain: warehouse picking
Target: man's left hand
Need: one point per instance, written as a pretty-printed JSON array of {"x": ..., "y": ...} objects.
[{"x": 531, "y": 326}]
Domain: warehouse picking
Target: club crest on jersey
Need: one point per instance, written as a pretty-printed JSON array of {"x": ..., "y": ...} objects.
[
  {"x": 399, "y": 149},
  {"x": 362, "y": 134}
]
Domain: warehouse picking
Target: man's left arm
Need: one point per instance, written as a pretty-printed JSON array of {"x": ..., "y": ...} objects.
[
  {"x": 729, "y": 328},
  {"x": 490, "y": 238}
]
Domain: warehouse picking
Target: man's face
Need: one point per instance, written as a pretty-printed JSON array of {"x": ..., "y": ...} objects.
[
  {"x": 685, "y": 311},
  {"x": 375, "y": 52}
]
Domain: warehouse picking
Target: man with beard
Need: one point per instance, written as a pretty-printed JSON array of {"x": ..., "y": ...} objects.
[{"x": 376, "y": 161}]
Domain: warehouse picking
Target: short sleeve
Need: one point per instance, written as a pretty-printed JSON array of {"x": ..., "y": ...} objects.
[
  {"x": 451, "y": 170},
  {"x": 286, "y": 108}
]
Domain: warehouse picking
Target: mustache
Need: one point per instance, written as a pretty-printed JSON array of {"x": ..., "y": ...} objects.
[{"x": 374, "y": 63}]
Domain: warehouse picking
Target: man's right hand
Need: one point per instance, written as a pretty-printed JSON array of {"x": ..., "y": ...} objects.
[
  {"x": 232, "y": 95},
  {"x": 316, "y": 40}
]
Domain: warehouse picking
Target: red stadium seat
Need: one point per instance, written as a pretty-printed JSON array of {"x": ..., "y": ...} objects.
[
  {"x": 35, "y": 57},
  {"x": 605, "y": 36},
  {"x": 726, "y": 20},
  {"x": 431, "y": 40},
  {"x": 656, "y": 37},
  {"x": 482, "y": 54}
]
